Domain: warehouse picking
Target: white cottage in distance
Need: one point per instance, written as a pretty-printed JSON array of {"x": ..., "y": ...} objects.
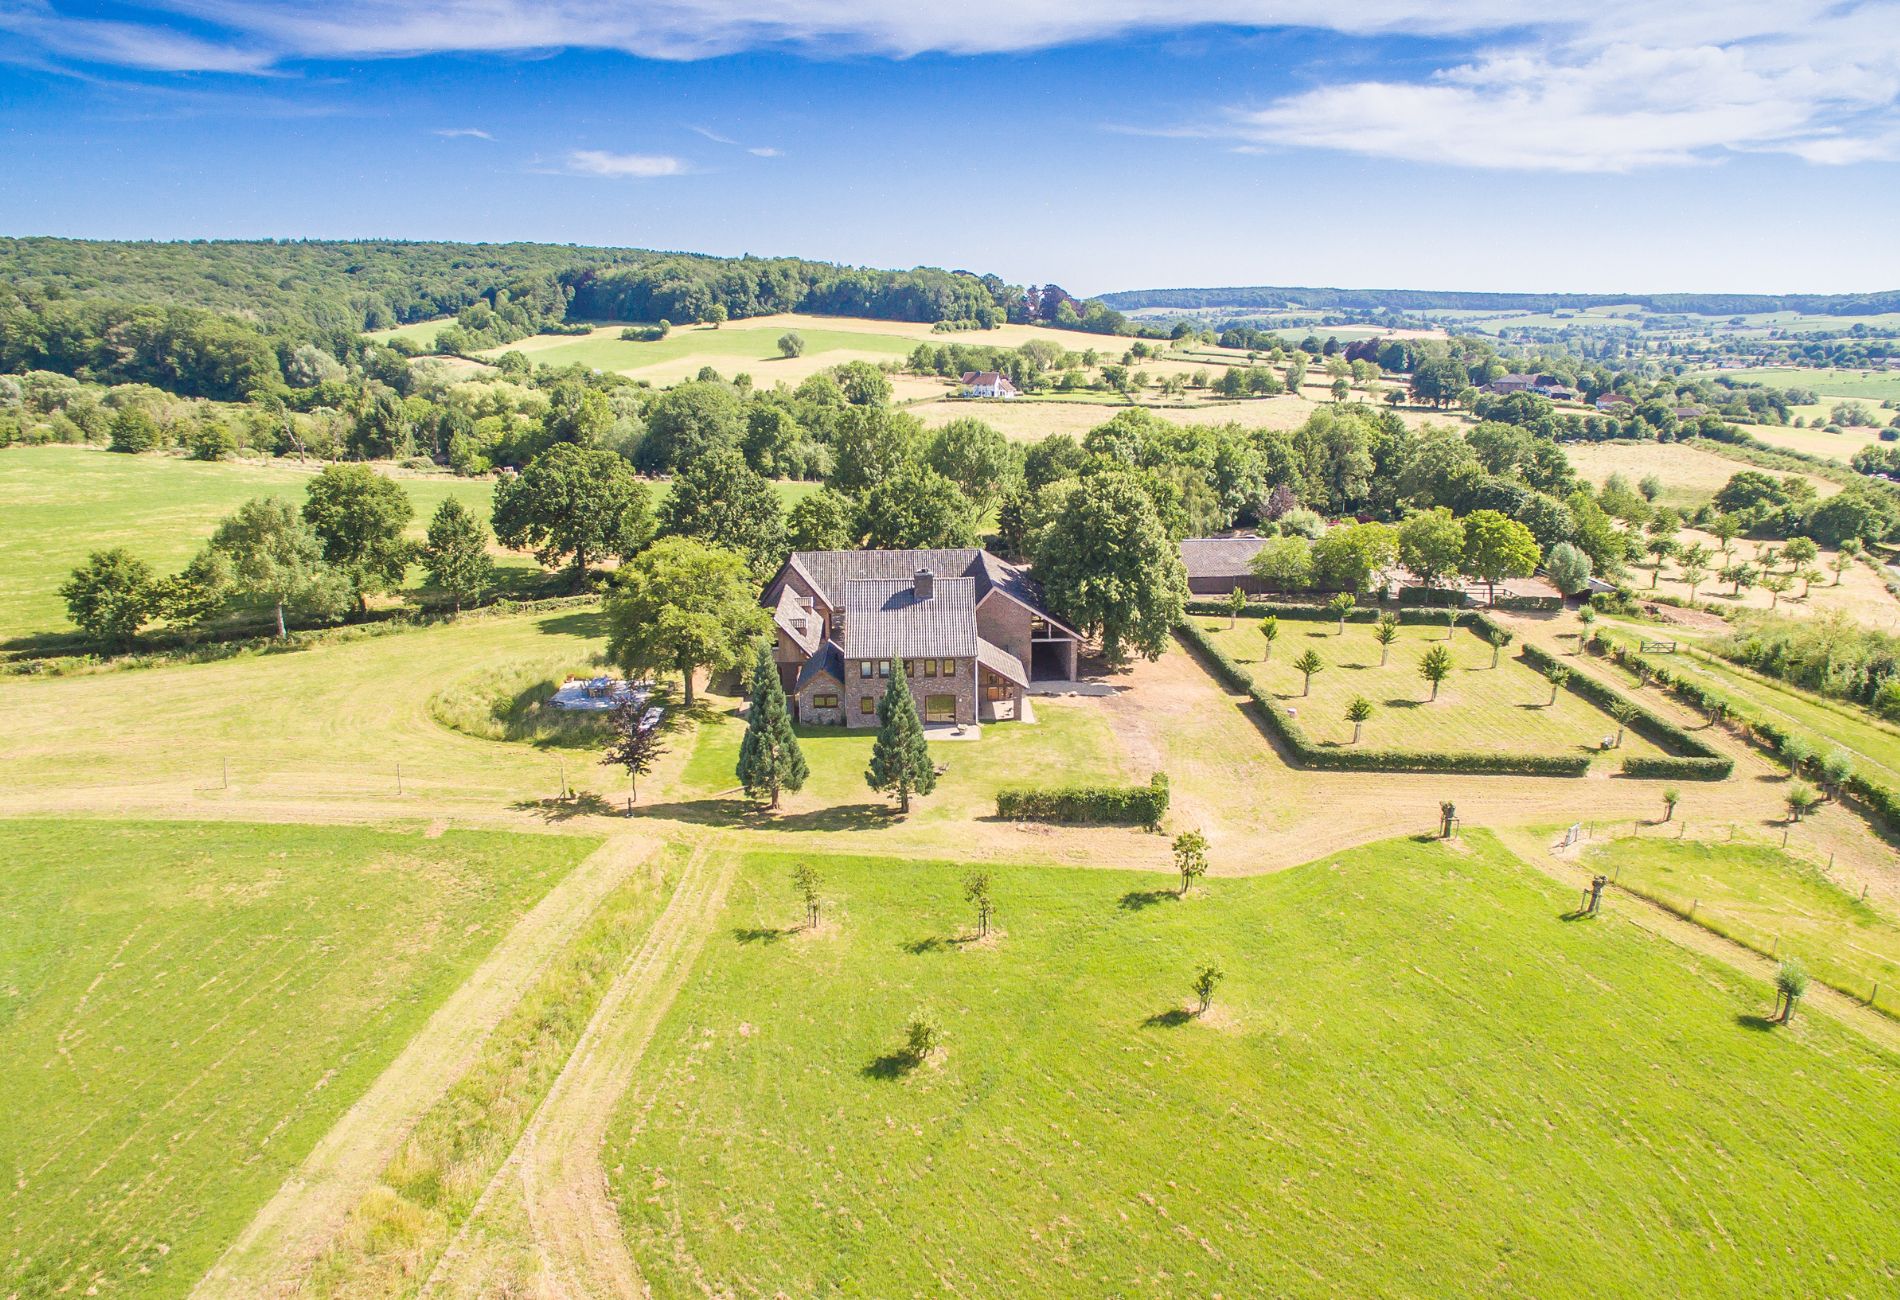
[{"x": 987, "y": 383}]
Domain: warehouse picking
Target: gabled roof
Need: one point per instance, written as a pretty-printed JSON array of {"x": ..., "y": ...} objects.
[
  {"x": 1220, "y": 557},
  {"x": 806, "y": 627},
  {"x": 885, "y": 619},
  {"x": 827, "y": 662},
  {"x": 987, "y": 379}
]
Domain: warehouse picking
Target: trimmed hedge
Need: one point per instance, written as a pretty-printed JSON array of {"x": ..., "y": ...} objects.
[
  {"x": 1087, "y": 805},
  {"x": 1698, "y": 762},
  {"x": 1288, "y": 731}
]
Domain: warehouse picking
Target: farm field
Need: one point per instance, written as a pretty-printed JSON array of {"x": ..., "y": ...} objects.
[
  {"x": 1816, "y": 442},
  {"x": 192, "y": 1005},
  {"x": 1479, "y": 708},
  {"x": 1860, "y": 595},
  {"x": 1359, "y": 1113},
  {"x": 1690, "y": 475},
  {"x": 1865, "y": 385},
  {"x": 1033, "y": 420},
  {"x": 1772, "y": 900}
]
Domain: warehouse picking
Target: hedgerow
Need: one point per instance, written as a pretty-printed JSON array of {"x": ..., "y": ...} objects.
[{"x": 1087, "y": 805}]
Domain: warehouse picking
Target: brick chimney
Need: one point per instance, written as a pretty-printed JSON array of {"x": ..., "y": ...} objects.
[{"x": 924, "y": 585}]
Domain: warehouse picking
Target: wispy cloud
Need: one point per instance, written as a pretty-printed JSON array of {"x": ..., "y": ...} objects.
[
  {"x": 757, "y": 151},
  {"x": 1570, "y": 85},
  {"x": 462, "y": 133},
  {"x": 623, "y": 166},
  {"x": 765, "y": 151}
]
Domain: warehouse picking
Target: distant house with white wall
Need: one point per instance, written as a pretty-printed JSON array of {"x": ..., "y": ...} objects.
[{"x": 987, "y": 383}]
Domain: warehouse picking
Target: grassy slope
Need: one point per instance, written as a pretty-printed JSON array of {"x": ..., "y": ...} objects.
[
  {"x": 1478, "y": 708},
  {"x": 1772, "y": 901},
  {"x": 62, "y": 503},
  {"x": 1417, "y": 1081},
  {"x": 1876, "y": 385},
  {"x": 190, "y": 1006}
]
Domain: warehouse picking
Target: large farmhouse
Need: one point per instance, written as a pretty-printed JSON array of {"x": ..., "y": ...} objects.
[{"x": 970, "y": 629}]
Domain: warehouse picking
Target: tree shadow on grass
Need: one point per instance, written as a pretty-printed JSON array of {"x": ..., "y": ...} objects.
[
  {"x": 588, "y": 623},
  {"x": 583, "y": 804},
  {"x": 743, "y": 814},
  {"x": 1760, "y": 1024},
  {"x": 763, "y": 933},
  {"x": 1136, "y": 900},
  {"x": 891, "y": 1066},
  {"x": 1403, "y": 703},
  {"x": 918, "y": 947},
  {"x": 1577, "y": 914},
  {"x": 1172, "y": 1018}
]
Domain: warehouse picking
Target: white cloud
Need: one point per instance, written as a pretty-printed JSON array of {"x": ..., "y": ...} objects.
[
  {"x": 463, "y": 133},
  {"x": 766, "y": 151},
  {"x": 624, "y": 166},
  {"x": 1570, "y": 85}
]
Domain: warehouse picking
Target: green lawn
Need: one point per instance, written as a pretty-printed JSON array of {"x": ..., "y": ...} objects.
[
  {"x": 190, "y": 1006},
  {"x": 1770, "y": 900},
  {"x": 1479, "y": 708},
  {"x": 1070, "y": 743},
  {"x": 422, "y": 331},
  {"x": 1417, "y": 1079}
]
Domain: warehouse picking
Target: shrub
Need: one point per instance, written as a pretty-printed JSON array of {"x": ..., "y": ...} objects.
[{"x": 1087, "y": 805}]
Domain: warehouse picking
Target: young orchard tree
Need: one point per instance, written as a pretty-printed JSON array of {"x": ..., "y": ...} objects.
[
  {"x": 1452, "y": 616},
  {"x": 1791, "y": 983},
  {"x": 1558, "y": 677},
  {"x": 1356, "y": 713},
  {"x": 1777, "y": 586},
  {"x": 1742, "y": 575},
  {"x": 683, "y": 605},
  {"x": 1447, "y": 817},
  {"x": 456, "y": 552},
  {"x": 1836, "y": 771},
  {"x": 1308, "y": 664},
  {"x": 1206, "y": 980},
  {"x": 1809, "y": 575},
  {"x": 1671, "y": 797},
  {"x": 1623, "y": 711},
  {"x": 976, "y": 891},
  {"x": 1842, "y": 559},
  {"x": 1693, "y": 573},
  {"x": 921, "y": 1037},
  {"x": 1660, "y": 549},
  {"x": 1190, "y": 858},
  {"x": 806, "y": 884},
  {"x": 111, "y": 596},
  {"x": 1725, "y": 528},
  {"x": 1800, "y": 551},
  {"x": 1499, "y": 639},
  {"x": 1340, "y": 606},
  {"x": 1385, "y": 632},
  {"x": 1435, "y": 666},
  {"x": 900, "y": 757},
  {"x": 1236, "y": 606},
  {"x": 770, "y": 761},
  {"x": 638, "y": 740},
  {"x": 1800, "y": 799},
  {"x": 1269, "y": 632}
]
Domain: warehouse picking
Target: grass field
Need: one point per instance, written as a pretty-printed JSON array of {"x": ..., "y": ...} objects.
[
  {"x": 1877, "y": 385},
  {"x": 1771, "y": 900},
  {"x": 1416, "y": 1080},
  {"x": 1816, "y": 442},
  {"x": 1690, "y": 475},
  {"x": 1479, "y": 708},
  {"x": 62, "y": 503},
  {"x": 1875, "y": 745},
  {"x": 191, "y": 1005}
]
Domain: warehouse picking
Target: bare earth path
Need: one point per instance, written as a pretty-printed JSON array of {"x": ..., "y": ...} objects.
[
  {"x": 546, "y": 1224},
  {"x": 295, "y": 1225}
]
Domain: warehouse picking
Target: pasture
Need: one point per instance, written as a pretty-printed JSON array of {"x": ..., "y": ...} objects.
[
  {"x": 1873, "y": 386},
  {"x": 1506, "y": 709},
  {"x": 1416, "y": 1078},
  {"x": 1689, "y": 475},
  {"x": 1775, "y": 901},
  {"x": 191, "y": 1006}
]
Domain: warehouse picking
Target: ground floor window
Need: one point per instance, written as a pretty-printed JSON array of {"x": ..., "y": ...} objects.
[
  {"x": 824, "y": 701},
  {"x": 940, "y": 708},
  {"x": 866, "y": 704}
]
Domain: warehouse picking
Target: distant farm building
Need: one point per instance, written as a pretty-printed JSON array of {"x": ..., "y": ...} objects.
[
  {"x": 1216, "y": 565},
  {"x": 987, "y": 383}
]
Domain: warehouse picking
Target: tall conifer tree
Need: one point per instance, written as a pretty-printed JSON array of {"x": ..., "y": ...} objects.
[
  {"x": 900, "y": 758},
  {"x": 769, "y": 758}
]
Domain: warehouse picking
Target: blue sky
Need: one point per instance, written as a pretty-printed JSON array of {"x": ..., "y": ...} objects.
[{"x": 1741, "y": 145}]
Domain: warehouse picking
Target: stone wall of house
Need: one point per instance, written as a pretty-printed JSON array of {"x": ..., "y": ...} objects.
[
  {"x": 858, "y": 688},
  {"x": 808, "y": 710}
]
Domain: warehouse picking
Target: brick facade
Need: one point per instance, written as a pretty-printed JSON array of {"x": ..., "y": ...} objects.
[{"x": 860, "y": 690}]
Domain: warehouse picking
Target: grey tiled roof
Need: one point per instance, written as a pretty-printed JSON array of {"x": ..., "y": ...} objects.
[
  {"x": 999, "y": 660},
  {"x": 828, "y": 660},
  {"x": 806, "y": 627},
  {"x": 1219, "y": 557},
  {"x": 884, "y": 619},
  {"x": 829, "y": 571}
]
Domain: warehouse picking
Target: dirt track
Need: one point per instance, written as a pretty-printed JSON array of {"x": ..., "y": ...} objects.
[{"x": 281, "y": 1241}]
